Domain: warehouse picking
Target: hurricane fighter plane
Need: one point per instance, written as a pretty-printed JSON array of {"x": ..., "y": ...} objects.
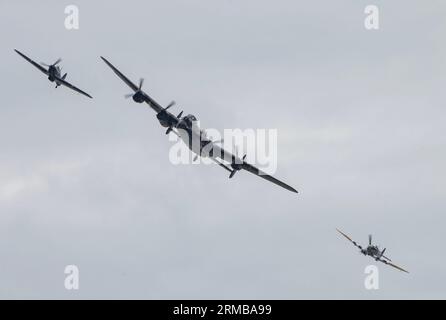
[
  {"x": 373, "y": 251},
  {"x": 54, "y": 73},
  {"x": 187, "y": 130}
]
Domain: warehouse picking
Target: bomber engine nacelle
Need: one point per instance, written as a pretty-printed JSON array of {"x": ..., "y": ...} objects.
[
  {"x": 138, "y": 97},
  {"x": 166, "y": 120}
]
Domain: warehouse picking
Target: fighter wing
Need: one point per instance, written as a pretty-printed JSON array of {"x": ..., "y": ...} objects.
[
  {"x": 69, "y": 85},
  {"x": 393, "y": 265},
  {"x": 35, "y": 64},
  {"x": 349, "y": 239},
  {"x": 152, "y": 103},
  {"x": 221, "y": 153}
]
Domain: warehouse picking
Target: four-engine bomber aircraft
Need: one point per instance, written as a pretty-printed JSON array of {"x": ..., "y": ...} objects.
[
  {"x": 373, "y": 251},
  {"x": 187, "y": 130},
  {"x": 54, "y": 73}
]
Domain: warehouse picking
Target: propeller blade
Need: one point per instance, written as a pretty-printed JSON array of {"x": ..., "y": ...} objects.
[
  {"x": 168, "y": 130},
  {"x": 370, "y": 239},
  {"x": 170, "y": 105},
  {"x": 179, "y": 115},
  {"x": 129, "y": 95},
  {"x": 244, "y": 157},
  {"x": 141, "y": 82},
  {"x": 232, "y": 173},
  {"x": 45, "y": 64},
  {"x": 57, "y": 62}
]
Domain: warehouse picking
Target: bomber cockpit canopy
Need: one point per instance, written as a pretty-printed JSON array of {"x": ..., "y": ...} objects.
[{"x": 189, "y": 119}]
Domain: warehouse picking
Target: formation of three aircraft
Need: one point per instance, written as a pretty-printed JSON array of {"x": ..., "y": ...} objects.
[{"x": 191, "y": 135}]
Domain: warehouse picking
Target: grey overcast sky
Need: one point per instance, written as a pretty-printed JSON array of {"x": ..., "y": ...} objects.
[{"x": 360, "y": 117}]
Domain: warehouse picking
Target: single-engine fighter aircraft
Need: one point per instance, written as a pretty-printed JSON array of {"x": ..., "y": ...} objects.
[
  {"x": 373, "y": 251},
  {"x": 54, "y": 73},
  {"x": 187, "y": 130}
]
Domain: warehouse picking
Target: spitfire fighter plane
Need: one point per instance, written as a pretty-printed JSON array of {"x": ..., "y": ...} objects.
[
  {"x": 54, "y": 73},
  {"x": 373, "y": 251},
  {"x": 187, "y": 130}
]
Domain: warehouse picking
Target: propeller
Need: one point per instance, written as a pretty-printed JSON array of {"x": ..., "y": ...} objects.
[
  {"x": 178, "y": 116},
  {"x": 141, "y": 82},
  {"x": 236, "y": 166},
  {"x": 51, "y": 65},
  {"x": 171, "y": 104},
  {"x": 370, "y": 239},
  {"x": 236, "y": 153}
]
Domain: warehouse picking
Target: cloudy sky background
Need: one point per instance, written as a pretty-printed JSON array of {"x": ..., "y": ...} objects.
[{"x": 360, "y": 117}]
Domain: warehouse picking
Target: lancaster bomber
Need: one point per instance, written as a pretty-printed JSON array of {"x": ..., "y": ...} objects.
[{"x": 187, "y": 130}]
